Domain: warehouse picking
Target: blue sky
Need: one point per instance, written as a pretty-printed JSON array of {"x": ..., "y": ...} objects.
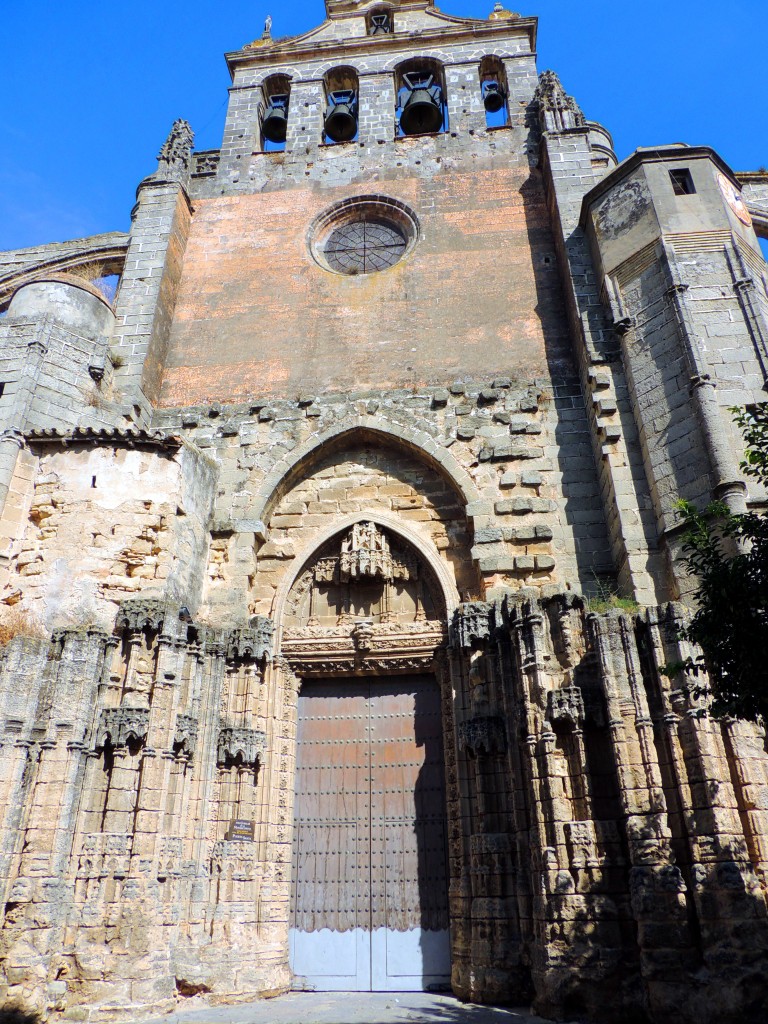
[{"x": 89, "y": 90}]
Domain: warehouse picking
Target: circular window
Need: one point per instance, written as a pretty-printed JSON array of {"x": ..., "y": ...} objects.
[{"x": 363, "y": 235}]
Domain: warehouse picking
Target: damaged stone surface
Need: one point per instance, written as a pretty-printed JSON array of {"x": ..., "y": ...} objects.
[{"x": 249, "y": 471}]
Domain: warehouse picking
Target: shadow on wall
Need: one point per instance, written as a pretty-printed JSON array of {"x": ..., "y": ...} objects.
[
  {"x": 580, "y": 486},
  {"x": 15, "y": 1015}
]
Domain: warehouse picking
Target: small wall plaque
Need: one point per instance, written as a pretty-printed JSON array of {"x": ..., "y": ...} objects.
[{"x": 241, "y": 829}]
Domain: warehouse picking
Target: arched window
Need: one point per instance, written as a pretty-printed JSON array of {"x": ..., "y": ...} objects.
[
  {"x": 495, "y": 92},
  {"x": 380, "y": 21},
  {"x": 341, "y": 93},
  {"x": 276, "y": 91},
  {"x": 421, "y": 102}
]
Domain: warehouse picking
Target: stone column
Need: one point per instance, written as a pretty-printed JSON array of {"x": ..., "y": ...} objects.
[{"x": 656, "y": 885}]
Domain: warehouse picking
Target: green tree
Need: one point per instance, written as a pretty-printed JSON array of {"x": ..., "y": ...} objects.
[{"x": 731, "y": 622}]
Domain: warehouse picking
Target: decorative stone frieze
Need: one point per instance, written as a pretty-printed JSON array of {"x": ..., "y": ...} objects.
[
  {"x": 137, "y": 614},
  {"x": 375, "y": 646},
  {"x": 253, "y": 643},
  {"x": 105, "y": 854}
]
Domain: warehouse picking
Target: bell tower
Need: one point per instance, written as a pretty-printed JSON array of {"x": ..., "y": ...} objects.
[{"x": 390, "y": 138}]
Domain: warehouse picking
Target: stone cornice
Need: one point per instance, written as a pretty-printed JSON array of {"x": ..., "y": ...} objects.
[
  {"x": 115, "y": 436},
  {"x": 445, "y": 33}
]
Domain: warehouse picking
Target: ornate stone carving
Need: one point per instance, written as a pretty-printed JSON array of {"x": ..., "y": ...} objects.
[
  {"x": 121, "y": 726},
  {"x": 174, "y": 158},
  {"x": 105, "y": 853},
  {"x": 234, "y": 859},
  {"x": 382, "y": 646},
  {"x": 246, "y": 745},
  {"x": 365, "y": 553},
  {"x": 483, "y": 735},
  {"x": 557, "y": 111},
  {"x": 566, "y": 707},
  {"x": 471, "y": 624},
  {"x": 137, "y": 614},
  {"x": 326, "y": 570},
  {"x": 185, "y": 739},
  {"x": 253, "y": 642},
  {"x": 362, "y": 635}
]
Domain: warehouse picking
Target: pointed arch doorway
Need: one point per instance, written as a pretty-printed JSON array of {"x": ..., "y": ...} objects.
[{"x": 369, "y": 900}]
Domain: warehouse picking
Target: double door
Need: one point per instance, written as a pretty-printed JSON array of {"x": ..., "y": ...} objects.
[{"x": 369, "y": 905}]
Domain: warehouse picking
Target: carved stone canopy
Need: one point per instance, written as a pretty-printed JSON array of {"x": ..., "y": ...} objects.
[
  {"x": 471, "y": 624},
  {"x": 365, "y": 552},
  {"x": 185, "y": 740},
  {"x": 122, "y": 726},
  {"x": 483, "y": 735},
  {"x": 245, "y": 746},
  {"x": 365, "y": 573},
  {"x": 565, "y": 707}
]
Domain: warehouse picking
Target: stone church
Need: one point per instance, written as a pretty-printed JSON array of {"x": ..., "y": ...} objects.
[{"x": 339, "y": 555}]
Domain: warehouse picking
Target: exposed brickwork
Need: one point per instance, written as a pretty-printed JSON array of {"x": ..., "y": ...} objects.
[{"x": 242, "y": 326}]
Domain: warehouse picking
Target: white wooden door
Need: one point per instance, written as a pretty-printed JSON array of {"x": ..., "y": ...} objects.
[{"x": 369, "y": 894}]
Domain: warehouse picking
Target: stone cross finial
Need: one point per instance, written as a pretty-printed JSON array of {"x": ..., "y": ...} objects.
[{"x": 174, "y": 158}]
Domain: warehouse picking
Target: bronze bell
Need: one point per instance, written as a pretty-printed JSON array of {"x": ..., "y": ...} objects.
[
  {"x": 341, "y": 115},
  {"x": 493, "y": 97},
  {"x": 423, "y": 109},
  {"x": 275, "y": 120}
]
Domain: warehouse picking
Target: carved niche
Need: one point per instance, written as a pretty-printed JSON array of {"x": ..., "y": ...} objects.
[{"x": 367, "y": 575}]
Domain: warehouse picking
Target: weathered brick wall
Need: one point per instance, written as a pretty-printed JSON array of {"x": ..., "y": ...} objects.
[{"x": 477, "y": 297}]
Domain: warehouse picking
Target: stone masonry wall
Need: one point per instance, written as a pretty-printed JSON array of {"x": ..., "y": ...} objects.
[
  {"x": 104, "y": 523},
  {"x": 509, "y": 450}
]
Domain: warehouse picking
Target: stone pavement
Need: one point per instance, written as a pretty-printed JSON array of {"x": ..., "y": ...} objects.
[{"x": 351, "y": 1008}]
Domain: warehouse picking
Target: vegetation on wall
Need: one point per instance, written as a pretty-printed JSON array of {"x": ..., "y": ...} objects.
[{"x": 728, "y": 552}]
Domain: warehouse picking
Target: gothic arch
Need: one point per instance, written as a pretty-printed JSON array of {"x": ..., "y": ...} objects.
[
  {"x": 286, "y": 471},
  {"x": 389, "y": 521}
]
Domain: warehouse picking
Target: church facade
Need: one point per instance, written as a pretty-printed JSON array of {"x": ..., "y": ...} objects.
[{"x": 340, "y": 562}]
